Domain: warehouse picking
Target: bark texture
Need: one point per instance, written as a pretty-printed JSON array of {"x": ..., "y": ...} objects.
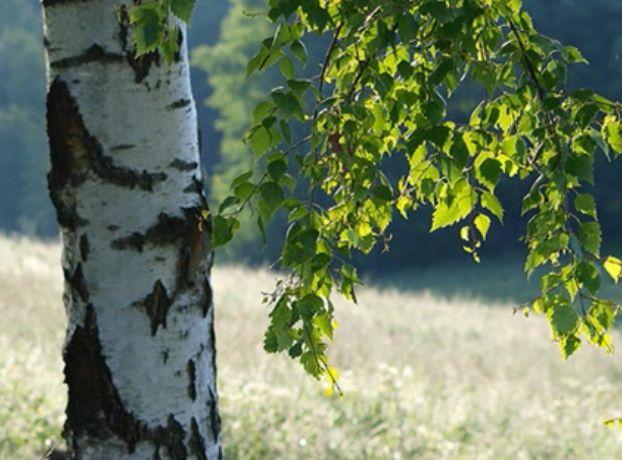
[{"x": 126, "y": 184}]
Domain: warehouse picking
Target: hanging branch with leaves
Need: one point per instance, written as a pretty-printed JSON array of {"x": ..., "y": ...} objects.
[{"x": 389, "y": 73}]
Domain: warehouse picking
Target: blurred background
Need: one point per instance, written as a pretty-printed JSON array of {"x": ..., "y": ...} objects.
[{"x": 223, "y": 36}]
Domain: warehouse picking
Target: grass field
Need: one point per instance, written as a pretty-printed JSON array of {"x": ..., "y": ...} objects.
[{"x": 434, "y": 374}]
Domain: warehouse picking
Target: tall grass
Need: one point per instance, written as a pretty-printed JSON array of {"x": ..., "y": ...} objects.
[{"x": 426, "y": 376}]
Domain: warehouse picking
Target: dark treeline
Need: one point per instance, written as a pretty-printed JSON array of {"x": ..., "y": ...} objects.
[{"x": 224, "y": 34}]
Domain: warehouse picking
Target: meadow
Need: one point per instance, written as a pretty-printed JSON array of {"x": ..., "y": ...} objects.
[{"x": 434, "y": 364}]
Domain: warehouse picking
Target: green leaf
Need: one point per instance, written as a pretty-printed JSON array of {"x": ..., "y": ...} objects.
[
  {"x": 569, "y": 344},
  {"x": 572, "y": 55},
  {"x": 272, "y": 194},
  {"x": 183, "y": 9},
  {"x": 612, "y": 132},
  {"x": 613, "y": 266},
  {"x": 492, "y": 203},
  {"x": 482, "y": 223},
  {"x": 324, "y": 324},
  {"x": 223, "y": 229},
  {"x": 587, "y": 274},
  {"x": 585, "y": 204},
  {"x": 455, "y": 208},
  {"x": 299, "y": 50},
  {"x": 441, "y": 71},
  {"x": 489, "y": 172},
  {"x": 287, "y": 102},
  {"x": 277, "y": 168},
  {"x": 287, "y": 68},
  {"x": 564, "y": 319},
  {"x": 582, "y": 167},
  {"x": 407, "y": 26},
  {"x": 590, "y": 237},
  {"x": 148, "y": 23},
  {"x": 259, "y": 140}
]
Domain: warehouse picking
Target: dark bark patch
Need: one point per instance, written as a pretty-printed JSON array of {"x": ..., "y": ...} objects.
[
  {"x": 190, "y": 232},
  {"x": 181, "y": 103},
  {"x": 85, "y": 248},
  {"x": 172, "y": 439},
  {"x": 208, "y": 298},
  {"x": 197, "y": 443},
  {"x": 167, "y": 230},
  {"x": 157, "y": 304},
  {"x": 93, "y": 54},
  {"x": 183, "y": 165},
  {"x": 75, "y": 152},
  {"x": 192, "y": 377},
  {"x": 117, "y": 148},
  {"x": 194, "y": 188},
  {"x": 215, "y": 422},
  {"x": 77, "y": 283},
  {"x": 94, "y": 407}
]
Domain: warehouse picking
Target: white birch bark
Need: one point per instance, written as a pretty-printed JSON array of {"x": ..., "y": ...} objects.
[{"x": 126, "y": 183}]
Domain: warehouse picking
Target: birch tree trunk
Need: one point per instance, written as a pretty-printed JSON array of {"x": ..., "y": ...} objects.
[{"x": 126, "y": 183}]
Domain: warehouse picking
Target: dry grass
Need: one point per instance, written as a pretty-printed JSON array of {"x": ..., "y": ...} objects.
[{"x": 425, "y": 377}]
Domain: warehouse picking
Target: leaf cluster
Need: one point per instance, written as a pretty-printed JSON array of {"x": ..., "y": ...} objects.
[{"x": 383, "y": 90}]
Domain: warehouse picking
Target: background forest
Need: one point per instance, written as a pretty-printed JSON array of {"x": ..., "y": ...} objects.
[{"x": 223, "y": 36}]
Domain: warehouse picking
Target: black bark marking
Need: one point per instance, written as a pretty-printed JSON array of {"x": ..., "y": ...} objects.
[
  {"x": 208, "y": 298},
  {"x": 77, "y": 282},
  {"x": 167, "y": 230},
  {"x": 194, "y": 187},
  {"x": 172, "y": 439},
  {"x": 157, "y": 304},
  {"x": 179, "y": 104},
  {"x": 75, "y": 153},
  {"x": 122, "y": 147},
  {"x": 197, "y": 443},
  {"x": 93, "y": 54},
  {"x": 183, "y": 165},
  {"x": 85, "y": 248},
  {"x": 199, "y": 137},
  {"x": 94, "y": 408},
  {"x": 214, "y": 422},
  {"x": 190, "y": 231},
  {"x": 192, "y": 378}
]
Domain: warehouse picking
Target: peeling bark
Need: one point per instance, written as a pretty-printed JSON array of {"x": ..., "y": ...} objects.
[{"x": 126, "y": 183}]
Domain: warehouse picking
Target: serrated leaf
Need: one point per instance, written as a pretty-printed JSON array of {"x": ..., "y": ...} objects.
[
  {"x": 272, "y": 194},
  {"x": 455, "y": 208},
  {"x": 612, "y": 132},
  {"x": 482, "y": 223},
  {"x": 492, "y": 203},
  {"x": 613, "y": 266},
  {"x": 590, "y": 237},
  {"x": 183, "y": 9},
  {"x": 585, "y": 204},
  {"x": 148, "y": 25},
  {"x": 223, "y": 229}
]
